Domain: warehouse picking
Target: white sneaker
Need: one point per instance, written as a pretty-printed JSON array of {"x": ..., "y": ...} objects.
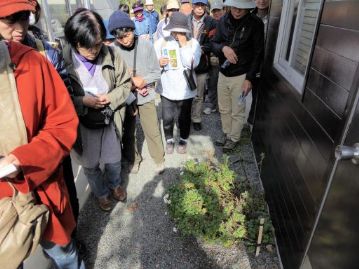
[{"x": 207, "y": 110}]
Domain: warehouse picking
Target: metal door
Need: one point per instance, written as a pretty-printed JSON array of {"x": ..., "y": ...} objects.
[{"x": 335, "y": 241}]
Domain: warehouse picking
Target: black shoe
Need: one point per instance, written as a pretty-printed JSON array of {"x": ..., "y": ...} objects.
[
  {"x": 221, "y": 141},
  {"x": 182, "y": 147},
  {"x": 197, "y": 126},
  {"x": 229, "y": 145}
]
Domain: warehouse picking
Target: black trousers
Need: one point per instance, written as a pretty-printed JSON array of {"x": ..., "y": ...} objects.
[
  {"x": 130, "y": 152},
  {"x": 179, "y": 112},
  {"x": 255, "y": 89}
]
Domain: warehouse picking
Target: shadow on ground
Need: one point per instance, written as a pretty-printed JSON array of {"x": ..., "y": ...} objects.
[{"x": 141, "y": 233}]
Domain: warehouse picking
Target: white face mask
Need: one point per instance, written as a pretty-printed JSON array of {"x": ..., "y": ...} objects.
[{"x": 32, "y": 19}]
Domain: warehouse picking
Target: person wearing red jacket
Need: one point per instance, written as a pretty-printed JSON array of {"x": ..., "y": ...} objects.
[{"x": 39, "y": 128}]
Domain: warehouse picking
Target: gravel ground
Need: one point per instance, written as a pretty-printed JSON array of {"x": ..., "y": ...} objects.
[{"x": 140, "y": 234}]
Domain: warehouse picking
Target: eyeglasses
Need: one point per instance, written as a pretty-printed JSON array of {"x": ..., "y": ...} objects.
[
  {"x": 172, "y": 10},
  {"x": 16, "y": 17}
]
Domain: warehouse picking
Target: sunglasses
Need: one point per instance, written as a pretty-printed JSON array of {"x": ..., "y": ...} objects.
[
  {"x": 16, "y": 17},
  {"x": 172, "y": 10}
]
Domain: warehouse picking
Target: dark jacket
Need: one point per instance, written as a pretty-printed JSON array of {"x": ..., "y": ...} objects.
[
  {"x": 209, "y": 24},
  {"x": 54, "y": 55},
  {"x": 246, "y": 37}
]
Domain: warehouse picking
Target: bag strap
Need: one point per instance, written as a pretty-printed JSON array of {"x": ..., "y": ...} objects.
[
  {"x": 112, "y": 54},
  {"x": 40, "y": 47},
  {"x": 134, "y": 59}
]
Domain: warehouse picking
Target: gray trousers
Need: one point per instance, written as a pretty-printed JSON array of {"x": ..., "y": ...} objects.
[
  {"x": 198, "y": 100},
  {"x": 212, "y": 86}
]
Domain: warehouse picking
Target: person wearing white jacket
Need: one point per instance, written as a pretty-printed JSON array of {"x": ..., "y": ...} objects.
[{"x": 176, "y": 53}]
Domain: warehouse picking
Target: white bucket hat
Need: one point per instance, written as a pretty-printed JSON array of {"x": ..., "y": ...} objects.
[
  {"x": 173, "y": 4},
  {"x": 149, "y": 3},
  {"x": 242, "y": 4}
]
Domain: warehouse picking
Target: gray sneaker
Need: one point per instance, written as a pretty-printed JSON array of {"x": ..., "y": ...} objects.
[{"x": 229, "y": 145}]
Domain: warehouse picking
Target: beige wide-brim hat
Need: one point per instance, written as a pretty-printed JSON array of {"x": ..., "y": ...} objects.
[
  {"x": 172, "y": 4},
  {"x": 242, "y": 4}
]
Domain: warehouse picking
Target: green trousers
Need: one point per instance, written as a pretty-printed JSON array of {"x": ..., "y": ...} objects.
[{"x": 151, "y": 128}]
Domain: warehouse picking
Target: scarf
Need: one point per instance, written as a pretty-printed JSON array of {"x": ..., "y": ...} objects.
[
  {"x": 90, "y": 65},
  {"x": 140, "y": 18}
]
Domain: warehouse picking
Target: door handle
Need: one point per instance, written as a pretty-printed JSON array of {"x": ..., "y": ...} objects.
[{"x": 348, "y": 153}]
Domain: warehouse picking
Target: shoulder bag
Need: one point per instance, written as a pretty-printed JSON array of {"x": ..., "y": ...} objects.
[
  {"x": 22, "y": 223},
  {"x": 189, "y": 76}
]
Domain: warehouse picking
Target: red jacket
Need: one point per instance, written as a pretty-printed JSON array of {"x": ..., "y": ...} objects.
[{"x": 51, "y": 124}]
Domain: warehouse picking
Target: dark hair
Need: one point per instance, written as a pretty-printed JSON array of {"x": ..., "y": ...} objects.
[
  {"x": 85, "y": 28},
  {"x": 138, "y": 3},
  {"x": 125, "y": 8},
  {"x": 37, "y": 12},
  {"x": 163, "y": 9},
  {"x": 121, "y": 32}
]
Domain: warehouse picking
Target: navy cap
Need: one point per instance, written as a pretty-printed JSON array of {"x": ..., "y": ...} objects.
[
  {"x": 120, "y": 19},
  {"x": 205, "y": 2}
]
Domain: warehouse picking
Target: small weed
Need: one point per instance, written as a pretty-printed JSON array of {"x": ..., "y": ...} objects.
[{"x": 209, "y": 203}]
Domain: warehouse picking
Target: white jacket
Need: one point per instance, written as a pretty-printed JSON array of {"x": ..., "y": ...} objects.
[{"x": 174, "y": 84}]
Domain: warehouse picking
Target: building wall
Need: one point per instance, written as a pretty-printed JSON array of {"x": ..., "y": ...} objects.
[
  {"x": 298, "y": 133},
  {"x": 336, "y": 59}
]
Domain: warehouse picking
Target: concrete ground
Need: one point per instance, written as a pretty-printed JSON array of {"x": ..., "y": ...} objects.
[{"x": 140, "y": 233}]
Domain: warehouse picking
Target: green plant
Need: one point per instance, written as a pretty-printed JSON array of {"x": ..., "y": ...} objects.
[{"x": 208, "y": 202}]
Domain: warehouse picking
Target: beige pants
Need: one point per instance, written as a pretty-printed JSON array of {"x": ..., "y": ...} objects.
[
  {"x": 198, "y": 100},
  {"x": 232, "y": 114}
]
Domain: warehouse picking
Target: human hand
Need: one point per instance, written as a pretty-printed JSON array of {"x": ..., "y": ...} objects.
[
  {"x": 104, "y": 99},
  {"x": 230, "y": 54},
  {"x": 246, "y": 87},
  {"x": 164, "y": 61},
  {"x": 10, "y": 159},
  {"x": 143, "y": 91},
  {"x": 138, "y": 82},
  {"x": 95, "y": 102}
]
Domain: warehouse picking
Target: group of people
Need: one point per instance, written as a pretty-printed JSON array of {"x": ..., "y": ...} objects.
[{"x": 85, "y": 98}]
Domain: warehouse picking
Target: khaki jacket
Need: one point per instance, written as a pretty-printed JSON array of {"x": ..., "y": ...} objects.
[{"x": 117, "y": 76}]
